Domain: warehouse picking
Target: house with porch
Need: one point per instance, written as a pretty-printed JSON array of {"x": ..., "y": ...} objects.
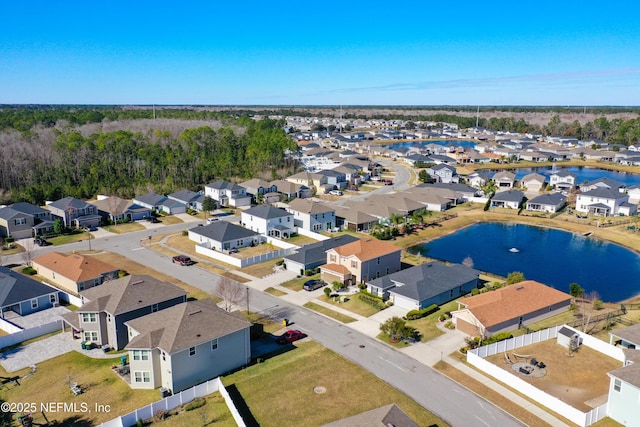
[
  {"x": 23, "y": 220},
  {"x": 510, "y": 199},
  {"x": 311, "y": 256},
  {"x": 479, "y": 179},
  {"x": 312, "y": 216},
  {"x": 23, "y": 295},
  {"x": 269, "y": 221},
  {"x": 224, "y": 236},
  {"x": 508, "y": 308},
  {"x": 114, "y": 209},
  {"x": 100, "y": 320},
  {"x": 505, "y": 179},
  {"x": 422, "y": 285},
  {"x": 354, "y": 219},
  {"x": 75, "y": 212},
  {"x": 291, "y": 190},
  {"x": 228, "y": 194},
  {"x": 257, "y": 188},
  {"x": 74, "y": 273},
  {"x": 443, "y": 173},
  {"x": 563, "y": 180},
  {"x": 185, "y": 345},
  {"x": 549, "y": 203},
  {"x": 360, "y": 261},
  {"x": 605, "y": 202}
]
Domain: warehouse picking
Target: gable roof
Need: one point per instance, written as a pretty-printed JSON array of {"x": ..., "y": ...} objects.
[
  {"x": 184, "y": 196},
  {"x": 354, "y": 216},
  {"x": 309, "y": 206},
  {"x": 427, "y": 280},
  {"x": 504, "y": 176},
  {"x": 151, "y": 199},
  {"x": 316, "y": 252},
  {"x": 604, "y": 193},
  {"x": 112, "y": 205},
  {"x": 384, "y": 416},
  {"x": 128, "y": 293},
  {"x": 509, "y": 196},
  {"x": 223, "y": 231},
  {"x": 631, "y": 334},
  {"x": 15, "y": 288},
  {"x": 534, "y": 177},
  {"x": 78, "y": 268},
  {"x": 266, "y": 212},
  {"x": 184, "y": 325},
  {"x": 551, "y": 199},
  {"x": 287, "y": 187},
  {"x": 69, "y": 202},
  {"x": 28, "y": 208},
  {"x": 224, "y": 185},
  {"x": 366, "y": 249},
  {"x": 510, "y": 302},
  {"x": 8, "y": 213},
  {"x": 629, "y": 374}
]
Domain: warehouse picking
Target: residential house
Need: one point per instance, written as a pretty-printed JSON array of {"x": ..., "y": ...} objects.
[
  {"x": 334, "y": 179},
  {"x": 311, "y": 180},
  {"x": 75, "y": 212},
  {"x": 354, "y": 174},
  {"x": 269, "y": 221},
  {"x": 291, "y": 190},
  {"x": 563, "y": 180},
  {"x": 312, "y": 216},
  {"x": 623, "y": 403},
  {"x": 443, "y": 173},
  {"x": 151, "y": 201},
  {"x": 74, "y": 273},
  {"x": 23, "y": 220},
  {"x": 441, "y": 159},
  {"x": 509, "y": 308},
  {"x": 223, "y": 236},
  {"x": 628, "y": 337},
  {"x": 191, "y": 199},
  {"x": 479, "y": 179},
  {"x": 106, "y": 308},
  {"x": 602, "y": 183},
  {"x": 422, "y": 285},
  {"x": 353, "y": 219},
  {"x": 228, "y": 194},
  {"x": 114, "y": 209},
  {"x": 456, "y": 193},
  {"x": 258, "y": 187},
  {"x": 185, "y": 345},
  {"x": 549, "y": 203},
  {"x": 634, "y": 194},
  {"x": 173, "y": 207},
  {"x": 23, "y": 295},
  {"x": 382, "y": 211},
  {"x": 360, "y": 261},
  {"x": 604, "y": 202},
  {"x": 533, "y": 182},
  {"x": 507, "y": 199},
  {"x": 505, "y": 179},
  {"x": 313, "y": 255},
  {"x": 385, "y": 416}
]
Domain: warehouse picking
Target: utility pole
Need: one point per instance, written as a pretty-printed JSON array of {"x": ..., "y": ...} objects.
[{"x": 248, "y": 309}]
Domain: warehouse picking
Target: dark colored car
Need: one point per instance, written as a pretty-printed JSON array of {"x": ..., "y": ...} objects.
[
  {"x": 153, "y": 220},
  {"x": 290, "y": 336},
  {"x": 40, "y": 241},
  {"x": 388, "y": 182},
  {"x": 312, "y": 285},
  {"x": 182, "y": 260}
]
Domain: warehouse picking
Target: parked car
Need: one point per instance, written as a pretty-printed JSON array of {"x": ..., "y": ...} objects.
[
  {"x": 153, "y": 219},
  {"x": 40, "y": 241},
  {"x": 212, "y": 219},
  {"x": 290, "y": 336},
  {"x": 335, "y": 192},
  {"x": 182, "y": 260},
  {"x": 312, "y": 285},
  {"x": 388, "y": 182}
]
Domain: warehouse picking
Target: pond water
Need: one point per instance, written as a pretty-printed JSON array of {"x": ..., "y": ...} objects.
[
  {"x": 553, "y": 257},
  {"x": 583, "y": 173}
]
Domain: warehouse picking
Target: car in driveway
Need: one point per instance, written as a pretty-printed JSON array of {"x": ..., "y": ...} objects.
[
  {"x": 40, "y": 241},
  {"x": 290, "y": 336},
  {"x": 335, "y": 192},
  {"x": 182, "y": 260},
  {"x": 312, "y": 285},
  {"x": 153, "y": 219}
]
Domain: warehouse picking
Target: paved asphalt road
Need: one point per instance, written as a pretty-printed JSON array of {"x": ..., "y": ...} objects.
[{"x": 453, "y": 403}]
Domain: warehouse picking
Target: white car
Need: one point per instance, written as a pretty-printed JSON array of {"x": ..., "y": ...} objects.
[{"x": 335, "y": 192}]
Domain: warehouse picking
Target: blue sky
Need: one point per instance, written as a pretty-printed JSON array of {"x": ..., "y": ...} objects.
[{"x": 320, "y": 53}]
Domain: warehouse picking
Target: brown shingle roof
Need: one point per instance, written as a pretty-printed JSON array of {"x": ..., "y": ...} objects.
[
  {"x": 184, "y": 325},
  {"x": 510, "y": 302},
  {"x": 366, "y": 249},
  {"x": 129, "y": 293},
  {"x": 308, "y": 206},
  {"x": 78, "y": 268}
]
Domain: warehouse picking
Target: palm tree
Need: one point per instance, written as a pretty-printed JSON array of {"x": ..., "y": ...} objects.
[
  {"x": 490, "y": 187},
  {"x": 396, "y": 220}
]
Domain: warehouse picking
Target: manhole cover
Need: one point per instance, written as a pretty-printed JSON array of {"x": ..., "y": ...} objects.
[{"x": 319, "y": 390}]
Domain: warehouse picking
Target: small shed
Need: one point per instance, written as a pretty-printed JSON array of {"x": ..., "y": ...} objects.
[{"x": 568, "y": 338}]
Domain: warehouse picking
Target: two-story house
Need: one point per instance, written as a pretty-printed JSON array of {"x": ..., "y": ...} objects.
[
  {"x": 75, "y": 212},
  {"x": 75, "y": 272},
  {"x": 23, "y": 220},
  {"x": 605, "y": 202},
  {"x": 185, "y": 345},
  {"x": 360, "y": 261},
  {"x": 563, "y": 180},
  {"x": 312, "y": 216},
  {"x": 269, "y": 221},
  {"x": 101, "y": 317},
  {"x": 259, "y": 187},
  {"x": 228, "y": 194},
  {"x": 443, "y": 173}
]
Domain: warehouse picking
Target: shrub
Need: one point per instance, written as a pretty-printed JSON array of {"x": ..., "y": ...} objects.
[
  {"x": 122, "y": 273},
  {"x": 372, "y": 300},
  {"x": 449, "y": 325},
  {"x": 475, "y": 291},
  {"x": 442, "y": 318},
  {"x": 327, "y": 291},
  {"x": 280, "y": 262},
  {"x": 196, "y": 403},
  {"x": 308, "y": 272},
  {"x": 419, "y": 314},
  {"x": 185, "y": 233},
  {"x": 29, "y": 270},
  {"x": 140, "y": 423}
]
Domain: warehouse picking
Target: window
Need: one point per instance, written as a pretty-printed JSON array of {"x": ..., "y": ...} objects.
[
  {"x": 91, "y": 336},
  {"x": 192, "y": 351},
  {"x": 142, "y": 377},
  {"x": 154, "y": 308},
  {"x": 378, "y": 260},
  {"x": 214, "y": 344},
  {"x": 20, "y": 221},
  {"x": 108, "y": 318},
  {"x": 332, "y": 258},
  {"x": 140, "y": 355},
  {"x": 617, "y": 385},
  {"x": 53, "y": 298},
  {"x": 34, "y": 303},
  {"x": 89, "y": 317},
  {"x": 354, "y": 264},
  {"x": 164, "y": 356}
]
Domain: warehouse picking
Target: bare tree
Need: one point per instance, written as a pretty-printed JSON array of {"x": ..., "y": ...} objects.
[
  {"x": 29, "y": 253},
  {"x": 230, "y": 291}
]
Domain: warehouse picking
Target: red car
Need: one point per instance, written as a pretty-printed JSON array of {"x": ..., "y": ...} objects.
[
  {"x": 182, "y": 260},
  {"x": 290, "y": 336}
]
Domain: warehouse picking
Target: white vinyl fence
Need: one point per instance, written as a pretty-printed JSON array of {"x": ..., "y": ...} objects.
[
  {"x": 312, "y": 234},
  {"x": 476, "y": 358},
  {"x": 172, "y": 402},
  {"x": 26, "y": 334},
  {"x": 241, "y": 262}
]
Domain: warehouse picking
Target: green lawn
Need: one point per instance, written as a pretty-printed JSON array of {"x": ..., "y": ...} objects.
[
  {"x": 427, "y": 325},
  {"x": 68, "y": 238},
  {"x": 280, "y": 391},
  {"x": 354, "y": 304},
  {"x": 275, "y": 292},
  {"x": 124, "y": 228},
  {"x": 214, "y": 411},
  {"x": 170, "y": 220},
  {"x": 328, "y": 312},
  {"x": 296, "y": 284}
]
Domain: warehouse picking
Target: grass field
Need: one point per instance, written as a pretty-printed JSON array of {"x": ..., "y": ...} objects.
[
  {"x": 427, "y": 326},
  {"x": 280, "y": 391},
  {"x": 296, "y": 284},
  {"x": 275, "y": 292},
  {"x": 354, "y": 304},
  {"x": 213, "y": 412},
  {"x": 328, "y": 312},
  {"x": 124, "y": 228}
]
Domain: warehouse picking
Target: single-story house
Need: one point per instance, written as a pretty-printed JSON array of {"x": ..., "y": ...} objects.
[
  {"x": 291, "y": 190},
  {"x": 509, "y": 308},
  {"x": 354, "y": 219},
  {"x": 185, "y": 345},
  {"x": 505, "y": 179},
  {"x": 549, "y": 203},
  {"x": 314, "y": 255},
  {"x": 422, "y": 285},
  {"x": 385, "y": 416},
  {"x": 173, "y": 207},
  {"x": 75, "y": 272},
  {"x": 191, "y": 199},
  {"x": 23, "y": 295},
  {"x": 224, "y": 236},
  {"x": 628, "y": 337},
  {"x": 151, "y": 201},
  {"x": 533, "y": 182},
  {"x": 507, "y": 199},
  {"x": 116, "y": 209}
]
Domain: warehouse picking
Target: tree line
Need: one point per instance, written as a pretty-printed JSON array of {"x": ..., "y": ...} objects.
[{"x": 126, "y": 163}]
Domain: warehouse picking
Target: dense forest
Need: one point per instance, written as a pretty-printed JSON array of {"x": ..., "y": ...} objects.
[{"x": 36, "y": 168}]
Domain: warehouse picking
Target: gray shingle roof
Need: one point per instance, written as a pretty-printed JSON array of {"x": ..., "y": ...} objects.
[
  {"x": 224, "y": 185},
  {"x": 552, "y": 199},
  {"x": 267, "y": 212},
  {"x": 185, "y": 196},
  {"x": 509, "y": 196},
  {"x": 606, "y": 193},
  {"x": 151, "y": 199},
  {"x": 316, "y": 252},
  {"x": 309, "y": 206},
  {"x": 223, "y": 231},
  {"x": 15, "y": 288},
  {"x": 8, "y": 213},
  {"x": 184, "y": 325},
  {"x": 128, "y": 293},
  {"x": 70, "y": 202},
  {"x": 28, "y": 208}
]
